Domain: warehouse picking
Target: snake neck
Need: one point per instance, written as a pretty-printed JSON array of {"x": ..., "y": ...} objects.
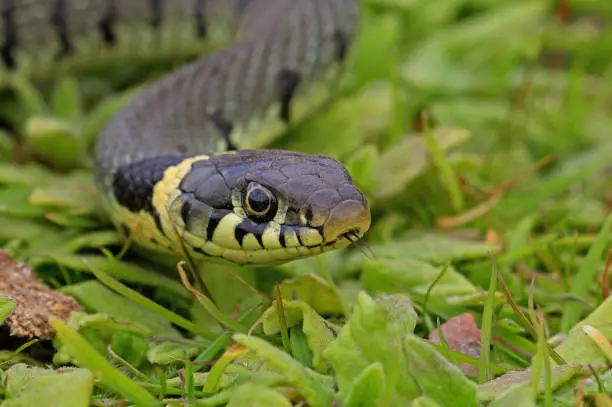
[{"x": 283, "y": 68}]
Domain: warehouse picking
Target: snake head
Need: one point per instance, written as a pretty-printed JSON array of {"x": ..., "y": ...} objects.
[{"x": 265, "y": 207}]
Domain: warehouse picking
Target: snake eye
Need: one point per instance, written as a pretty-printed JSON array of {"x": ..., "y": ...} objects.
[{"x": 260, "y": 204}]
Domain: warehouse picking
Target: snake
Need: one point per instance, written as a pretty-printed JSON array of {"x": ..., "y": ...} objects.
[{"x": 180, "y": 166}]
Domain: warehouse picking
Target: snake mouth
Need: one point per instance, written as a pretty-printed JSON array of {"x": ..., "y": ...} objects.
[{"x": 348, "y": 220}]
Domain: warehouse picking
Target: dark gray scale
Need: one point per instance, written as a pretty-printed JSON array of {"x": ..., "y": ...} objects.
[
  {"x": 199, "y": 17},
  {"x": 213, "y": 221},
  {"x": 9, "y": 33},
  {"x": 133, "y": 183},
  {"x": 207, "y": 186},
  {"x": 156, "y": 7},
  {"x": 225, "y": 128},
  {"x": 194, "y": 213},
  {"x": 341, "y": 45},
  {"x": 58, "y": 18},
  {"x": 107, "y": 23},
  {"x": 248, "y": 226},
  {"x": 288, "y": 82}
]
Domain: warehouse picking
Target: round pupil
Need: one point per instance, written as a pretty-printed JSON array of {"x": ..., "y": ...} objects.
[{"x": 259, "y": 201}]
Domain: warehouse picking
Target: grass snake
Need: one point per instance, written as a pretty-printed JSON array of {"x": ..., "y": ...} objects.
[{"x": 177, "y": 166}]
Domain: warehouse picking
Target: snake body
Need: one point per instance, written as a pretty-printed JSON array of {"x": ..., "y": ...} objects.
[{"x": 179, "y": 165}]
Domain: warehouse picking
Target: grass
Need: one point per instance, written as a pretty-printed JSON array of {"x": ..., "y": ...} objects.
[{"x": 479, "y": 129}]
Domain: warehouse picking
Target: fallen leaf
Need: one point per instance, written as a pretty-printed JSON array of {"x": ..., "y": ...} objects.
[
  {"x": 35, "y": 302},
  {"x": 463, "y": 336}
]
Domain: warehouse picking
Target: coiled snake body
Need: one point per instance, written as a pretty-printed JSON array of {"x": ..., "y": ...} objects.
[{"x": 180, "y": 156}]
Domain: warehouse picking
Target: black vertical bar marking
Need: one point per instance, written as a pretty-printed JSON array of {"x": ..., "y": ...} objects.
[
  {"x": 213, "y": 221},
  {"x": 107, "y": 23},
  {"x": 281, "y": 236},
  {"x": 59, "y": 21},
  {"x": 158, "y": 224},
  {"x": 156, "y": 13},
  {"x": 200, "y": 18},
  {"x": 225, "y": 128},
  {"x": 246, "y": 227},
  {"x": 341, "y": 45},
  {"x": 288, "y": 82},
  {"x": 9, "y": 31}
]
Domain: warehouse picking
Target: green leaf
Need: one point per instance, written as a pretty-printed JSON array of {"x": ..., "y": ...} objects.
[
  {"x": 88, "y": 357},
  {"x": 374, "y": 333},
  {"x": 319, "y": 333},
  {"x": 356, "y": 119},
  {"x": 312, "y": 388},
  {"x": 416, "y": 277},
  {"x": 26, "y": 386},
  {"x": 120, "y": 270},
  {"x": 31, "y": 98},
  {"x": 97, "y": 119},
  {"x": 585, "y": 278},
  {"x": 368, "y": 388},
  {"x": 253, "y": 395},
  {"x": 97, "y": 298},
  {"x": 404, "y": 161},
  {"x": 424, "y": 402},
  {"x": 314, "y": 291},
  {"x": 6, "y": 145},
  {"x": 7, "y": 305},
  {"x": 428, "y": 246},
  {"x": 168, "y": 352},
  {"x": 495, "y": 388},
  {"x": 54, "y": 141},
  {"x": 298, "y": 345},
  {"x": 579, "y": 347},
  {"x": 440, "y": 380},
  {"x": 66, "y": 99},
  {"x": 30, "y": 174},
  {"x": 515, "y": 396}
]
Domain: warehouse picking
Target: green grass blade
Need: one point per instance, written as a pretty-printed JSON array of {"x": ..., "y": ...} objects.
[
  {"x": 89, "y": 358},
  {"x": 585, "y": 278}
]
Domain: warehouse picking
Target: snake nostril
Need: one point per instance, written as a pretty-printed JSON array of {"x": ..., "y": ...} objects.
[{"x": 347, "y": 218}]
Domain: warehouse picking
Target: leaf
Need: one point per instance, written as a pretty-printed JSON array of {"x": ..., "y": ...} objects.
[
  {"x": 374, "y": 333},
  {"x": 428, "y": 246},
  {"x": 7, "y": 305},
  {"x": 586, "y": 276},
  {"x": 26, "y": 386},
  {"x": 415, "y": 277},
  {"x": 515, "y": 396},
  {"x": 98, "y": 299},
  {"x": 356, "y": 119},
  {"x": 439, "y": 379},
  {"x": 97, "y": 119},
  {"x": 368, "y": 388},
  {"x": 120, "y": 270},
  {"x": 408, "y": 158},
  {"x": 66, "y": 99},
  {"x": 76, "y": 195},
  {"x": 253, "y": 395},
  {"x": 495, "y": 388},
  {"x": 578, "y": 347},
  {"x": 313, "y": 389},
  {"x": 54, "y": 141},
  {"x": 30, "y": 174},
  {"x": 424, "y": 402},
  {"x": 319, "y": 333},
  {"x": 14, "y": 203},
  {"x": 31, "y": 98},
  {"x": 314, "y": 291},
  {"x": 87, "y": 357},
  {"x": 169, "y": 352}
]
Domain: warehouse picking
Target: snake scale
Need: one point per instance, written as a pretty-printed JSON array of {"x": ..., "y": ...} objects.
[{"x": 178, "y": 166}]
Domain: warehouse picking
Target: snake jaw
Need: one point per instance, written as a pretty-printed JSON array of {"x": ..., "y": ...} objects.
[{"x": 347, "y": 217}]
